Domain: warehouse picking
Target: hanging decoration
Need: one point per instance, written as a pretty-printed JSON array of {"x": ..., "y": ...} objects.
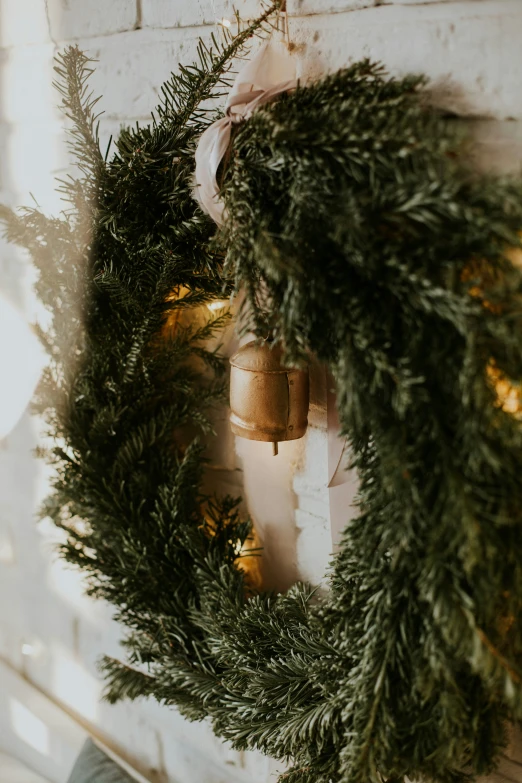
[
  {"x": 270, "y": 74},
  {"x": 22, "y": 360},
  {"x": 360, "y": 236},
  {"x": 268, "y": 401}
]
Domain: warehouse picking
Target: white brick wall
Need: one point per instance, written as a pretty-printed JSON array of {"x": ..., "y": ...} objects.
[
  {"x": 86, "y": 19},
  {"x": 471, "y": 51}
]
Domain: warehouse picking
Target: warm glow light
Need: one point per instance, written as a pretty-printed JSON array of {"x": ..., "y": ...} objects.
[
  {"x": 29, "y": 728},
  {"x": 219, "y": 304},
  {"x": 22, "y": 360},
  {"x": 508, "y": 394}
]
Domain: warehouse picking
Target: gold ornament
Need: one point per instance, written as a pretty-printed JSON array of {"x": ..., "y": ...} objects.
[{"x": 268, "y": 401}]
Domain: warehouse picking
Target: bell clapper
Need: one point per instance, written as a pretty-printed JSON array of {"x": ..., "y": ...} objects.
[{"x": 275, "y": 448}]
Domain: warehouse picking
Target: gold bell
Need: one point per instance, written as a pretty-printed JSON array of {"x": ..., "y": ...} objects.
[{"x": 268, "y": 401}]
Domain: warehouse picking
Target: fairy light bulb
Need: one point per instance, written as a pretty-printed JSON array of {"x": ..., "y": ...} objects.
[
  {"x": 22, "y": 360},
  {"x": 217, "y": 304}
]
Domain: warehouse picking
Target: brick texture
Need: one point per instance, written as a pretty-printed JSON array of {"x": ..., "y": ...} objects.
[{"x": 69, "y": 19}]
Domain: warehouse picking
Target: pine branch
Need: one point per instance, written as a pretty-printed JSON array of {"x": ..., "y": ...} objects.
[
  {"x": 184, "y": 94},
  {"x": 78, "y": 105}
]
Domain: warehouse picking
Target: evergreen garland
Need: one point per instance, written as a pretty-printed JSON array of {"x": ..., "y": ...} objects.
[{"x": 360, "y": 235}]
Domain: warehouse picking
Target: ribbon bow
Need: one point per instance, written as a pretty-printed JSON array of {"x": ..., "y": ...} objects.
[{"x": 269, "y": 74}]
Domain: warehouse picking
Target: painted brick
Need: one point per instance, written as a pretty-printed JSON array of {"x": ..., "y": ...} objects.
[
  {"x": 23, "y": 22},
  {"x": 315, "y": 503},
  {"x": 303, "y": 7},
  {"x": 314, "y": 453},
  {"x": 27, "y": 91},
  {"x": 14, "y": 770},
  {"x": 132, "y": 67},
  {"x": 471, "y": 56},
  {"x": 469, "y": 50},
  {"x": 163, "y": 13},
  {"x": 417, "y": 2},
  {"x": 34, "y": 730},
  {"x": 314, "y": 546},
  {"x": 70, "y": 19}
]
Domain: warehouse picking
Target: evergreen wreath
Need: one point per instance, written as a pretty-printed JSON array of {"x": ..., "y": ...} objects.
[{"x": 359, "y": 234}]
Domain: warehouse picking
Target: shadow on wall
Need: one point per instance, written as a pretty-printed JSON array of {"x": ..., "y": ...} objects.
[
  {"x": 39, "y": 600},
  {"x": 50, "y": 634}
]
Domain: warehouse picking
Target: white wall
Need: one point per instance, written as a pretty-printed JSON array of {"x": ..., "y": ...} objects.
[{"x": 471, "y": 50}]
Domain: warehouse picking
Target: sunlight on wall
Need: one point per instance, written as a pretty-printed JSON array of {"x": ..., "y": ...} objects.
[
  {"x": 32, "y": 147},
  {"x": 74, "y": 686},
  {"x": 271, "y": 502},
  {"x": 23, "y": 22},
  {"x": 29, "y": 728},
  {"x": 22, "y": 360}
]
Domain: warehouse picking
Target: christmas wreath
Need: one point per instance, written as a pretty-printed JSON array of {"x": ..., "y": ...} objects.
[{"x": 359, "y": 234}]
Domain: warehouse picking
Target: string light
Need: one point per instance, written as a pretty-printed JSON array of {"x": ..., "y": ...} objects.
[{"x": 218, "y": 304}]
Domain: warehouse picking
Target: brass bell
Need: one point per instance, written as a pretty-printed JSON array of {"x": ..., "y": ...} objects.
[{"x": 268, "y": 401}]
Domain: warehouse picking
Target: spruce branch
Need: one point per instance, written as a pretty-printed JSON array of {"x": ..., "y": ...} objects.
[{"x": 73, "y": 68}]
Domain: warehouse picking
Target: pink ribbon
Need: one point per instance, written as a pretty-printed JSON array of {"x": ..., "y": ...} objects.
[{"x": 269, "y": 74}]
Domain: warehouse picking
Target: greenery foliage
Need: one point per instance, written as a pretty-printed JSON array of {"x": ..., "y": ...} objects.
[{"x": 360, "y": 235}]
